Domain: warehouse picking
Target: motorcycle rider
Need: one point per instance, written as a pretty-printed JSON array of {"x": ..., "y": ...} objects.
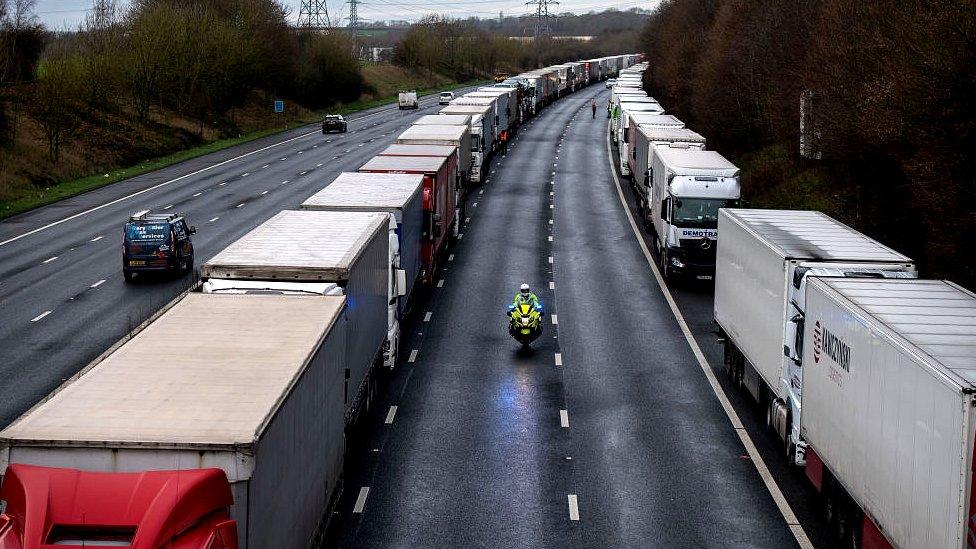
[{"x": 525, "y": 295}]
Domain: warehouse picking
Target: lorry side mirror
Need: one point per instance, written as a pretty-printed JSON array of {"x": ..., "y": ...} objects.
[
  {"x": 786, "y": 351},
  {"x": 626, "y": 137},
  {"x": 664, "y": 209},
  {"x": 437, "y": 231},
  {"x": 193, "y": 230},
  {"x": 401, "y": 282}
]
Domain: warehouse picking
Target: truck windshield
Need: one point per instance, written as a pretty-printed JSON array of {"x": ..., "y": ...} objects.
[
  {"x": 700, "y": 213},
  {"x": 147, "y": 232}
]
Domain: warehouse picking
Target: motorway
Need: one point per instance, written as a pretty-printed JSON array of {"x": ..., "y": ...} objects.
[
  {"x": 607, "y": 434},
  {"x": 63, "y": 300}
]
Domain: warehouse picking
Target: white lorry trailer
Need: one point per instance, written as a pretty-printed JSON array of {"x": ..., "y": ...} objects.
[
  {"x": 400, "y": 196},
  {"x": 503, "y": 121},
  {"x": 626, "y": 111},
  {"x": 493, "y": 113},
  {"x": 641, "y": 145},
  {"x": 250, "y": 384},
  {"x": 348, "y": 249},
  {"x": 450, "y": 132},
  {"x": 687, "y": 189},
  {"x": 889, "y": 410},
  {"x": 764, "y": 263},
  {"x": 482, "y": 135},
  {"x": 508, "y": 103}
]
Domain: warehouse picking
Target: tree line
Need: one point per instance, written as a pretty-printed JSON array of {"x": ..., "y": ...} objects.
[
  {"x": 463, "y": 49},
  {"x": 886, "y": 93},
  {"x": 196, "y": 58}
]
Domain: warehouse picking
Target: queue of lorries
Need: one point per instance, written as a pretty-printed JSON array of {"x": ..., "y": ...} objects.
[
  {"x": 865, "y": 372},
  {"x": 222, "y": 421}
]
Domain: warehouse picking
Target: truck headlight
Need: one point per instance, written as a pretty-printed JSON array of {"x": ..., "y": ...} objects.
[{"x": 676, "y": 261}]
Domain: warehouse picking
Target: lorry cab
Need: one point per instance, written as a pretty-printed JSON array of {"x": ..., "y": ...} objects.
[
  {"x": 156, "y": 243},
  {"x": 688, "y": 188}
]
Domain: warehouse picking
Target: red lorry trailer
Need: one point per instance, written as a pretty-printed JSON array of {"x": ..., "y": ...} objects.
[
  {"x": 439, "y": 202},
  {"x": 51, "y": 506}
]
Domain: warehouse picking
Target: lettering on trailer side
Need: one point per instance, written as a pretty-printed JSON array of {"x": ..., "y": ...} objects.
[{"x": 826, "y": 343}]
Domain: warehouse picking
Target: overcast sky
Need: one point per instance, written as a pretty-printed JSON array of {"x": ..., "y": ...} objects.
[{"x": 60, "y": 14}]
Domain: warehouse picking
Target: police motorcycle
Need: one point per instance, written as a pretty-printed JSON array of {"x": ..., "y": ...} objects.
[{"x": 525, "y": 322}]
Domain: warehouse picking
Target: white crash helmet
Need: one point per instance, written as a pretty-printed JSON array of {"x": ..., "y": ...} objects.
[{"x": 524, "y": 288}]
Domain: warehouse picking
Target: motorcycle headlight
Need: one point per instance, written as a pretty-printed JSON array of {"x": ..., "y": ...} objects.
[{"x": 525, "y": 321}]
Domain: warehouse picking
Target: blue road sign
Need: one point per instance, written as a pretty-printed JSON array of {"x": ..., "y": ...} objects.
[{"x": 279, "y": 105}]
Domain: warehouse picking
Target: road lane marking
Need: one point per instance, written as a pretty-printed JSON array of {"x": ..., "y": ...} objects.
[
  {"x": 390, "y": 415},
  {"x": 264, "y": 193},
  {"x": 222, "y": 184},
  {"x": 450, "y": 257},
  {"x": 245, "y": 174},
  {"x": 214, "y": 219},
  {"x": 196, "y": 195},
  {"x": 283, "y": 159},
  {"x": 40, "y": 316},
  {"x": 573, "y": 507},
  {"x": 467, "y": 219},
  {"x": 784, "y": 507},
  {"x": 319, "y": 165},
  {"x": 99, "y": 283},
  {"x": 550, "y": 260},
  {"x": 460, "y": 236},
  {"x": 564, "y": 419},
  {"x": 554, "y": 320},
  {"x": 167, "y": 207},
  {"x": 265, "y": 166},
  {"x": 50, "y": 259},
  {"x": 239, "y": 205},
  {"x": 440, "y": 283},
  {"x": 413, "y": 356},
  {"x": 475, "y": 205},
  {"x": 299, "y": 152},
  {"x": 284, "y": 182},
  {"x": 550, "y": 238},
  {"x": 97, "y": 238},
  {"x": 361, "y": 500},
  {"x": 427, "y": 316},
  {"x": 559, "y": 359},
  {"x": 303, "y": 173}
]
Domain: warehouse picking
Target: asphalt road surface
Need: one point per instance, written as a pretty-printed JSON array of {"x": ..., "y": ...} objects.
[
  {"x": 606, "y": 434},
  {"x": 63, "y": 300}
]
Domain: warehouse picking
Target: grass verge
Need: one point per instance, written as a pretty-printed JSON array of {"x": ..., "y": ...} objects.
[{"x": 68, "y": 189}]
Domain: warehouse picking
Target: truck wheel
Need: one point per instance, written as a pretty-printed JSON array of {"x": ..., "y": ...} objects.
[{"x": 127, "y": 275}]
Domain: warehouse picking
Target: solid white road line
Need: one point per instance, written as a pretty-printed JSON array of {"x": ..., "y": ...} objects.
[
  {"x": 427, "y": 316},
  {"x": 50, "y": 259},
  {"x": 554, "y": 320},
  {"x": 97, "y": 238},
  {"x": 564, "y": 419},
  {"x": 390, "y": 415},
  {"x": 40, "y": 316},
  {"x": 361, "y": 500},
  {"x": 559, "y": 359},
  {"x": 99, "y": 283},
  {"x": 784, "y": 507},
  {"x": 152, "y": 188},
  {"x": 440, "y": 283},
  {"x": 573, "y": 507},
  {"x": 413, "y": 356}
]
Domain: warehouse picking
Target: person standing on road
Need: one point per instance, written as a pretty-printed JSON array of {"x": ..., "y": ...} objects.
[{"x": 593, "y": 106}]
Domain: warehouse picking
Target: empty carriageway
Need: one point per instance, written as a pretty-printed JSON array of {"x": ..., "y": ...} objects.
[{"x": 606, "y": 434}]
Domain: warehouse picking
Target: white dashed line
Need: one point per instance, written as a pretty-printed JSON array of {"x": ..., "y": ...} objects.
[
  {"x": 390, "y": 415},
  {"x": 222, "y": 184},
  {"x": 361, "y": 500},
  {"x": 50, "y": 259},
  {"x": 559, "y": 359},
  {"x": 550, "y": 260},
  {"x": 550, "y": 238},
  {"x": 552, "y": 285},
  {"x": 265, "y": 166},
  {"x": 440, "y": 283},
  {"x": 573, "y": 507},
  {"x": 319, "y": 165},
  {"x": 554, "y": 320},
  {"x": 564, "y": 419},
  {"x": 475, "y": 205},
  {"x": 99, "y": 283},
  {"x": 303, "y": 173},
  {"x": 245, "y": 174},
  {"x": 413, "y": 356},
  {"x": 450, "y": 257},
  {"x": 167, "y": 207},
  {"x": 284, "y": 182},
  {"x": 482, "y": 191},
  {"x": 214, "y": 219},
  {"x": 467, "y": 220},
  {"x": 299, "y": 152},
  {"x": 241, "y": 205},
  {"x": 196, "y": 195},
  {"x": 40, "y": 316},
  {"x": 97, "y": 238},
  {"x": 427, "y": 316}
]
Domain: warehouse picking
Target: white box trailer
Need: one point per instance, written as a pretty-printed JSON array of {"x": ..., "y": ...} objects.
[
  {"x": 248, "y": 384},
  {"x": 400, "y": 196},
  {"x": 763, "y": 263},
  {"x": 646, "y": 137},
  {"x": 503, "y": 108},
  {"x": 627, "y": 108},
  {"x": 482, "y": 135},
  {"x": 889, "y": 408},
  {"x": 456, "y": 135},
  {"x": 349, "y": 249},
  {"x": 484, "y": 102},
  {"x": 536, "y": 90}
]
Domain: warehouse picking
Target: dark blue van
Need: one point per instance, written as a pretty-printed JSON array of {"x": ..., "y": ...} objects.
[{"x": 156, "y": 243}]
